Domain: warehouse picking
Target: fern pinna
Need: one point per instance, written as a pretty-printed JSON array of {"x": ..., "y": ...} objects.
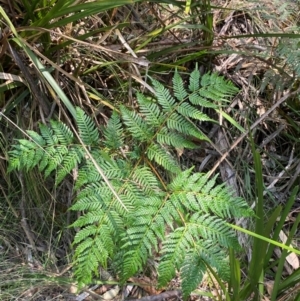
[{"x": 157, "y": 201}]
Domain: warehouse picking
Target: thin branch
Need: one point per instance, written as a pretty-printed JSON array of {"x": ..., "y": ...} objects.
[
  {"x": 256, "y": 123},
  {"x": 166, "y": 295}
]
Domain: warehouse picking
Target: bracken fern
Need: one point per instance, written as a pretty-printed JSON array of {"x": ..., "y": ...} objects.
[{"x": 161, "y": 203}]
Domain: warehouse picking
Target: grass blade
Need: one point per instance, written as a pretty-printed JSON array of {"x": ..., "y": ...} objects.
[
  {"x": 282, "y": 260},
  {"x": 279, "y": 226}
]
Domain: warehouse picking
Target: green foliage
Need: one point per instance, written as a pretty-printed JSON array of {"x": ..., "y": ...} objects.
[
  {"x": 182, "y": 209},
  {"x": 286, "y": 56},
  {"x": 288, "y": 50}
]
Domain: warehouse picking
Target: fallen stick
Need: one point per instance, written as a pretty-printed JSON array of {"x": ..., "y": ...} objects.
[{"x": 160, "y": 297}]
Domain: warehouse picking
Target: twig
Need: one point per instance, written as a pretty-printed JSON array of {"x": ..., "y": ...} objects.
[
  {"x": 136, "y": 17},
  {"x": 115, "y": 54},
  {"x": 37, "y": 93},
  {"x": 262, "y": 117},
  {"x": 166, "y": 295}
]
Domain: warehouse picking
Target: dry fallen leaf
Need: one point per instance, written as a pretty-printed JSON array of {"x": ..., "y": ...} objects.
[
  {"x": 146, "y": 284},
  {"x": 269, "y": 286},
  {"x": 292, "y": 258}
]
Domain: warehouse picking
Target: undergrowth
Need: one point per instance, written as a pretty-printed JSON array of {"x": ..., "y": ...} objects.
[
  {"x": 103, "y": 72},
  {"x": 132, "y": 194}
]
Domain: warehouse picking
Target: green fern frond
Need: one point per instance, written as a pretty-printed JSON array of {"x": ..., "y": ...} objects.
[
  {"x": 192, "y": 272},
  {"x": 48, "y": 151},
  {"x": 14, "y": 160},
  {"x": 46, "y": 158},
  {"x": 145, "y": 181},
  {"x": 84, "y": 174},
  {"x": 38, "y": 139},
  {"x": 164, "y": 97},
  {"x": 287, "y": 54},
  {"x": 131, "y": 192},
  {"x": 139, "y": 240},
  {"x": 150, "y": 110},
  {"x": 87, "y": 202},
  {"x": 179, "y": 90},
  {"x": 187, "y": 110},
  {"x": 26, "y": 155},
  {"x": 216, "y": 88},
  {"x": 198, "y": 100},
  {"x": 114, "y": 169},
  {"x": 194, "y": 82},
  {"x": 57, "y": 156},
  {"x": 180, "y": 180},
  {"x": 145, "y": 237},
  {"x": 113, "y": 133},
  {"x": 70, "y": 161},
  {"x": 182, "y": 125},
  {"x": 48, "y": 135},
  {"x": 215, "y": 229},
  {"x": 159, "y": 197},
  {"x": 95, "y": 194},
  {"x": 184, "y": 248},
  {"x": 62, "y": 132},
  {"x": 201, "y": 254},
  {"x": 202, "y": 194},
  {"x": 88, "y": 231},
  {"x": 173, "y": 139},
  {"x": 88, "y": 132},
  {"x": 288, "y": 50},
  {"x": 211, "y": 95},
  {"x": 162, "y": 157},
  {"x": 136, "y": 125},
  {"x": 215, "y": 256},
  {"x": 209, "y": 88},
  {"x": 89, "y": 218},
  {"x": 223, "y": 86},
  {"x": 28, "y": 160},
  {"x": 93, "y": 250},
  {"x": 173, "y": 252}
]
